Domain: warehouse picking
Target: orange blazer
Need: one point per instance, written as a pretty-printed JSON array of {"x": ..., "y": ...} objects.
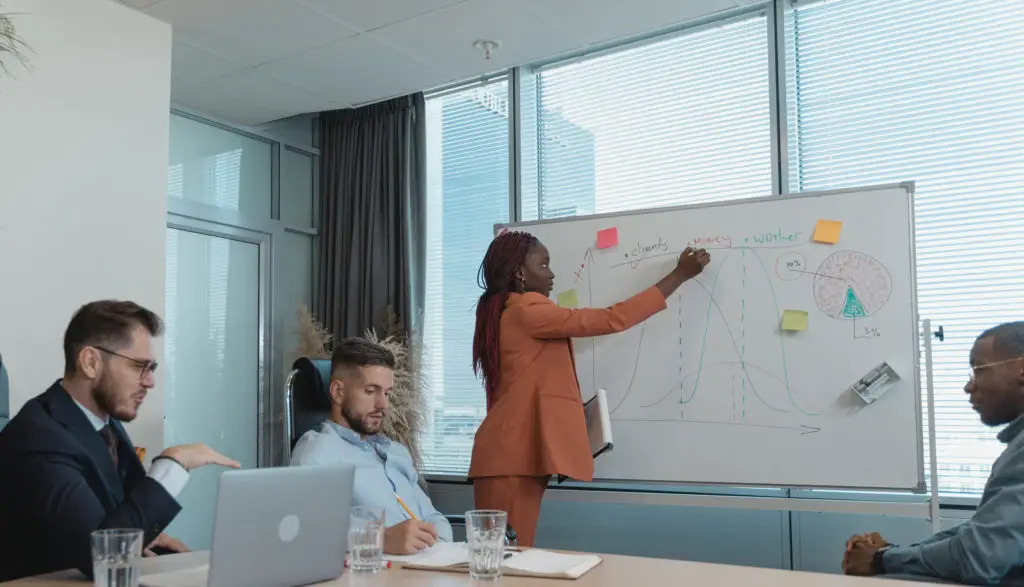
[{"x": 536, "y": 426}]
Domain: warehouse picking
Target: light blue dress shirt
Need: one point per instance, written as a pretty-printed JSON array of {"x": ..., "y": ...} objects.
[
  {"x": 384, "y": 469},
  {"x": 987, "y": 549}
]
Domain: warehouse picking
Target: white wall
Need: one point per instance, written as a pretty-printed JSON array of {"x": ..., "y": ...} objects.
[{"x": 83, "y": 171}]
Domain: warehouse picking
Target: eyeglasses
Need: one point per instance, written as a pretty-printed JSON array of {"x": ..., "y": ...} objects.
[
  {"x": 976, "y": 368},
  {"x": 145, "y": 367}
]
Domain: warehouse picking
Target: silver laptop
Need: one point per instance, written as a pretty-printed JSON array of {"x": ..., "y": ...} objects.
[{"x": 281, "y": 527}]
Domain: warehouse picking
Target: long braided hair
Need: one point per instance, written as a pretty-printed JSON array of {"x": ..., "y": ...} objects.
[{"x": 498, "y": 277}]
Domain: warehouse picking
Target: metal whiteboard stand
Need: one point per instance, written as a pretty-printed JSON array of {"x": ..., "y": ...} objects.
[{"x": 933, "y": 465}]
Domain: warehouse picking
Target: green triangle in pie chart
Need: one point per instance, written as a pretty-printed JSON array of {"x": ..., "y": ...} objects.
[{"x": 853, "y": 308}]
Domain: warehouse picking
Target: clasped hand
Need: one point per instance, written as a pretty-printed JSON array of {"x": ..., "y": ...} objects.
[{"x": 859, "y": 556}]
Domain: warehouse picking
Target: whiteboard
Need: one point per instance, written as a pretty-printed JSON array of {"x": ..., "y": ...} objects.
[{"x": 713, "y": 390}]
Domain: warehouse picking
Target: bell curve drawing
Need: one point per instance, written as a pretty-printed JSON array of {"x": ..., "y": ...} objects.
[{"x": 750, "y": 358}]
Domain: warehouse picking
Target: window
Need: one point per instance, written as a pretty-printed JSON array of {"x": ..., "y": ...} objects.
[
  {"x": 467, "y": 194},
  {"x": 930, "y": 91},
  {"x": 675, "y": 121},
  {"x": 218, "y": 167}
]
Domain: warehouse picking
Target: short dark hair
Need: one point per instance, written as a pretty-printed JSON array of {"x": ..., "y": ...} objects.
[
  {"x": 105, "y": 323},
  {"x": 1007, "y": 338},
  {"x": 360, "y": 352}
]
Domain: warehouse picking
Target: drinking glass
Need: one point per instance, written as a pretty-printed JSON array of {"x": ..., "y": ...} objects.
[
  {"x": 366, "y": 539},
  {"x": 115, "y": 557},
  {"x": 485, "y": 533}
]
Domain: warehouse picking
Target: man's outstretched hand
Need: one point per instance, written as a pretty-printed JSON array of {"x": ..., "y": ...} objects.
[
  {"x": 165, "y": 543},
  {"x": 193, "y": 456}
]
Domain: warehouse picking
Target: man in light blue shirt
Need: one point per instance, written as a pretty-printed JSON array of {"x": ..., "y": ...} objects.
[
  {"x": 987, "y": 549},
  {"x": 362, "y": 377}
]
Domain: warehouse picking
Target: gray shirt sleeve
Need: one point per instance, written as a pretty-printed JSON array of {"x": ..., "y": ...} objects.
[{"x": 982, "y": 550}]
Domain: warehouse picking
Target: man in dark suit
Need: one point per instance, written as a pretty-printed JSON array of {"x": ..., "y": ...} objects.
[{"x": 67, "y": 467}]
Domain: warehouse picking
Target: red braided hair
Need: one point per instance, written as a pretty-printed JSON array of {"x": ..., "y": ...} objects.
[{"x": 498, "y": 278}]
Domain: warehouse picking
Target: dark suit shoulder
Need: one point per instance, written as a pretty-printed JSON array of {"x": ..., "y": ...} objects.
[{"x": 35, "y": 431}]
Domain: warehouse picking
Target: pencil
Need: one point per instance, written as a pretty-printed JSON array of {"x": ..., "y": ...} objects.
[{"x": 406, "y": 508}]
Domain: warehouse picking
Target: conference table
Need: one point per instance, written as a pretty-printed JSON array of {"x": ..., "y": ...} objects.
[{"x": 614, "y": 571}]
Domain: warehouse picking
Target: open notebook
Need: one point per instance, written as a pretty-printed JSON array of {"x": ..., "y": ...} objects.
[
  {"x": 192, "y": 577},
  {"x": 528, "y": 563}
]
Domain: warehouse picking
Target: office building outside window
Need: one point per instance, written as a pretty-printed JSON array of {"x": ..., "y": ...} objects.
[{"x": 467, "y": 194}]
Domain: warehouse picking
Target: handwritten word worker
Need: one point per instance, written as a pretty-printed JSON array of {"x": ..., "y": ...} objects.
[{"x": 535, "y": 425}]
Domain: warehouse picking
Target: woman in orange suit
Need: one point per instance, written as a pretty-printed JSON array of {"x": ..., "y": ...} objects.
[{"x": 535, "y": 427}]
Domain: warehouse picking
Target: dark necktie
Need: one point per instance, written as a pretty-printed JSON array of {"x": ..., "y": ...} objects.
[{"x": 111, "y": 439}]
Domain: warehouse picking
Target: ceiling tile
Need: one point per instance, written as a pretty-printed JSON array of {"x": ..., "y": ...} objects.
[
  {"x": 273, "y": 94},
  {"x": 138, "y": 3},
  {"x": 195, "y": 64},
  {"x": 447, "y": 36},
  {"x": 210, "y": 101},
  {"x": 367, "y": 15},
  {"x": 356, "y": 70},
  {"x": 601, "y": 21},
  {"x": 250, "y": 32}
]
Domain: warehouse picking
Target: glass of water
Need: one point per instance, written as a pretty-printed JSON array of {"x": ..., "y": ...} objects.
[
  {"x": 485, "y": 533},
  {"x": 366, "y": 539},
  {"x": 115, "y": 557}
]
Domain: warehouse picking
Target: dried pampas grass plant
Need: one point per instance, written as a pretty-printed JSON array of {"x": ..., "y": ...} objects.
[
  {"x": 407, "y": 418},
  {"x": 313, "y": 339},
  {"x": 11, "y": 46}
]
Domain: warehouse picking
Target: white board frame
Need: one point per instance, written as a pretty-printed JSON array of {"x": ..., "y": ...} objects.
[{"x": 909, "y": 187}]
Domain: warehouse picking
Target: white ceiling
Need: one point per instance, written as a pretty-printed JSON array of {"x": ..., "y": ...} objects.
[{"x": 253, "y": 61}]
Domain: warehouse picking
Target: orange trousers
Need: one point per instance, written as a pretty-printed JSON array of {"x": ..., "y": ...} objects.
[{"x": 520, "y": 497}]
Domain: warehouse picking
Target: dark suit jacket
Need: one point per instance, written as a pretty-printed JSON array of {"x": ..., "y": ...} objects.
[{"x": 58, "y": 484}]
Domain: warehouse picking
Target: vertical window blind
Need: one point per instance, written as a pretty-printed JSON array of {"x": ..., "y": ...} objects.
[
  {"x": 467, "y": 194},
  {"x": 932, "y": 91},
  {"x": 678, "y": 120}
]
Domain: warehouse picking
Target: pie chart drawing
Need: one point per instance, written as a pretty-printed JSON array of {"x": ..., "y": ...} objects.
[{"x": 850, "y": 285}]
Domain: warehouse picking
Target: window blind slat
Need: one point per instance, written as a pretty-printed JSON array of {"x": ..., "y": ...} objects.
[{"x": 930, "y": 91}]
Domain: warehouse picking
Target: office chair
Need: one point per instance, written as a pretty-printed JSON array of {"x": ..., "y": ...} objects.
[
  {"x": 307, "y": 403},
  {"x": 5, "y": 395}
]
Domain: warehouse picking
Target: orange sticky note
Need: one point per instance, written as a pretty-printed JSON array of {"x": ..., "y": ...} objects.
[
  {"x": 827, "y": 231},
  {"x": 607, "y": 238}
]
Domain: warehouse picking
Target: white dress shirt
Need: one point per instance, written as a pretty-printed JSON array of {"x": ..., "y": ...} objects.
[{"x": 168, "y": 473}]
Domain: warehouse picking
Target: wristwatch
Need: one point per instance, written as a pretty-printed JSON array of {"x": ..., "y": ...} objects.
[{"x": 878, "y": 562}]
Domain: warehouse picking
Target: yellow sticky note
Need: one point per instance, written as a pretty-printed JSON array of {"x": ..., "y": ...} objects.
[
  {"x": 794, "y": 320},
  {"x": 568, "y": 299},
  {"x": 827, "y": 231}
]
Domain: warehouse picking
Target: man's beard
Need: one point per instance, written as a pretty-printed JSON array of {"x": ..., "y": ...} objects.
[
  {"x": 105, "y": 398},
  {"x": 362, "y": 426}
]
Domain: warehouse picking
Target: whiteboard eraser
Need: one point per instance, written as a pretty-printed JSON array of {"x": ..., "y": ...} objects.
[{"x": 877, "y": 381}]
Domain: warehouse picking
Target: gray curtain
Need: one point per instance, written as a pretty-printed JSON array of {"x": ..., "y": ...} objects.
[{"x": 372, "y": 225}]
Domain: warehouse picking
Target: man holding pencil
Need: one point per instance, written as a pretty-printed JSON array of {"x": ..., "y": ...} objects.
[{"x": 362, "y": 377}]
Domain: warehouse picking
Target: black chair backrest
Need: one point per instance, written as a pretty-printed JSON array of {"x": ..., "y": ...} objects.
[{"x": 311, "y": 400}]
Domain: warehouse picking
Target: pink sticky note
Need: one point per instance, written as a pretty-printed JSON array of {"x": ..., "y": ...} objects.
[{"x": 607, "y": 238}]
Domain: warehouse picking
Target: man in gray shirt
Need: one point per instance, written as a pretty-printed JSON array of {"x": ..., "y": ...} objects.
[{"x": 988, "y": 548}]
